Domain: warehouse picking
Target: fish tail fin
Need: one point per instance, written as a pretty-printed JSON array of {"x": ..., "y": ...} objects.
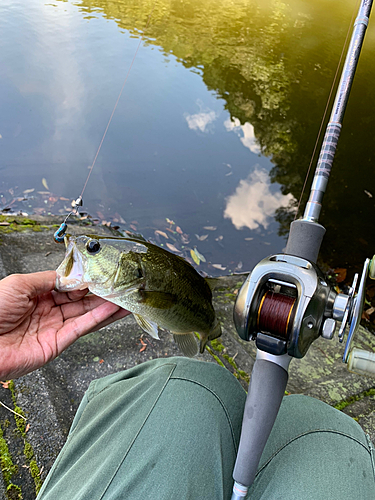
[
  {"x": 214, "y": 334},
  {"x": 187, "y": 343}
]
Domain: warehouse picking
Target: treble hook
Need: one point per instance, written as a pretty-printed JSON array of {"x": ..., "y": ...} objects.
[{"x": 60, "y": 233}]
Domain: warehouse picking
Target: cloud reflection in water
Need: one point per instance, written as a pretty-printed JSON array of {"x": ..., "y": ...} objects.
[{"x": 253, "y": 204}]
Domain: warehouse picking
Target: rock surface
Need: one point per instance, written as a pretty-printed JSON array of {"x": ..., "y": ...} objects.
[{"x": 50, "y": 396}]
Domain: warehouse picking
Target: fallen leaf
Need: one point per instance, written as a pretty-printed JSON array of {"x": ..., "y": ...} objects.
[
  {"x": 195, "y": 257},
  {"x": 169, "y": 221},
  {"x": 132, "y": 226},
  {"x": 218, "y": 266},
  {"x": 144, "y": 345},
  {"x": 162, "y": 233},
  {"x": 368, "y": 193},
  {"x": 199, "y": 255},
  {"x": 248, "y": 239},
  {"x": 370, "y": 310},
  {"x": 173, "y": 248},
  {"x": 340, "y": 273},
  {"x": 229, "y": 173},
  {"x": 27, "y": 191},
  {"x": 201, "y": 238},
  {"x": 44, "y": 182},
  {"x": 179, "y": 230},
  {"x": 101, "y": 361},
  {"x": 27, "y": 428},
  {"x": 64, "y": 199},
  {"x": 4, "y": 223},
  {"x": 170, "y": 230},
  {"x": 185, "y": 239},
  {"x": 43, "y": 192},
  {"x": 219, "y": 238},
  {"x": 210, "y": 228},
  {"x": 5, "y": 384}
]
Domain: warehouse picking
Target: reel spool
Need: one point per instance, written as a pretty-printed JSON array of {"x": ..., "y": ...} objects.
[{"x": 285, "y": 304}]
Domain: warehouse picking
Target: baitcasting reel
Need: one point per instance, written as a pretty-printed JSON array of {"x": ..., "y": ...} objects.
[{"x": 285, "y": 304}]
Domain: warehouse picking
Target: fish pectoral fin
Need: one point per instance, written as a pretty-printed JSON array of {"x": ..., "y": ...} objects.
[
  {"x": 213, "y": 334},
  {"x": 147, "y": 325},
  {"x": 187, "y": 343},
  {"x": 158, "y": 300}
]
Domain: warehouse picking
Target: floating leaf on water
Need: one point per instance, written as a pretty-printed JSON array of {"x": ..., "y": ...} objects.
[
  {"x": 210, "y": 228},
  {"x": 43, "y": 192},
  {"x": 170, "y": 230},
  {"x": 173, "y": 248},
  {"x": 179, "y": 230},
  {"x": 44, "y": 182},
  {"x": 229, "y": 173},
  {"x": 219, "y": 238},
  {"x": 185, "y": 239},
  {"x": 239, "y": 265},
  {"x": 169, "y": 221},
  {"x": 132, "y": 226},
  {"x": 248, "y": 239},
  {"x": 64, "y": 199},
  {"x": 368, "y": 193},
  {"x": 162, "y": 233},
  {"x": 199, "y": 255},
  {"x": 195, "y": 258},
  {"x": 218, "y": 266},
  {"x": 133, "y": 222},
  {"x": 27, "y": 191},
  {"x": 201, "y": 238}
]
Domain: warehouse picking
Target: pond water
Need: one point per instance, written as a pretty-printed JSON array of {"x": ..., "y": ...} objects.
[{"x": 214, "y": 130}]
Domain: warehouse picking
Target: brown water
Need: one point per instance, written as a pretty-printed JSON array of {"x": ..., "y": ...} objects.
[{"x": 214, "y": 130}]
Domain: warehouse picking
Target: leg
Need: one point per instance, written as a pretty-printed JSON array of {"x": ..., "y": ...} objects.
[
  {"x": 166, "y": 429},
  {"x": 315, "y": 453}
]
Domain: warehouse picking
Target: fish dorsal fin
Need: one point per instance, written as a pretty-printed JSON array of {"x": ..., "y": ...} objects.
[
  {"x": 187, "y": 343},
  {"x": 147, "y": 325},
  {"x": 212, "y": 282}
]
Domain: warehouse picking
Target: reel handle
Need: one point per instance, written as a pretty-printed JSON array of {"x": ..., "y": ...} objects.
[{"x": 267, "y": 388}]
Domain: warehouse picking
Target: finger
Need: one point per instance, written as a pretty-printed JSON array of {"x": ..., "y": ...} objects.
[
  {"x": 93, "y": 320},
  {"x": 122, "y": 313},
  {"x": 81, "y": 307},
  {"x": 66, "y": 297}
]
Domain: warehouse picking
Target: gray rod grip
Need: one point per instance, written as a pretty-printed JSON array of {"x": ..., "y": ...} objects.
[
  {"x": 304, "y": 239},
  {"x": 266, "y": 391}
]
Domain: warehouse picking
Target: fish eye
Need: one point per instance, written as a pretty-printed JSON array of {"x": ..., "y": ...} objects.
[{"x": 93, "y": 246}]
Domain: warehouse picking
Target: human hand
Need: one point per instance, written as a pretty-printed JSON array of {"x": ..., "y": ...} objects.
[{"x": 37, "y": 323}]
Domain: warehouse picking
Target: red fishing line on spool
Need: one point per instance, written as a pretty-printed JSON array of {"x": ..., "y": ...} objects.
[{"x": 274, "y": 314}]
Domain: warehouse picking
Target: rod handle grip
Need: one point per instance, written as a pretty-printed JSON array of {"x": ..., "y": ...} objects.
[{"x": 362, "y": 362}]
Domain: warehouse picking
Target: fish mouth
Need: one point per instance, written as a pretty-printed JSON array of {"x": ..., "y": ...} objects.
[{"x": 70, "y": 272}]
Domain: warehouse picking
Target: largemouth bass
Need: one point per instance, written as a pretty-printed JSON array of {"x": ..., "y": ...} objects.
[{"x": 160, "y": 288}]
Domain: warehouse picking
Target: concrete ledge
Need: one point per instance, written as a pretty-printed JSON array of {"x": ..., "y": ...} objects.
[{"x": 50, "y": 396}]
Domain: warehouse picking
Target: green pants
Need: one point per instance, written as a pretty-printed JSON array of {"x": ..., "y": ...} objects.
[{"x": 169, "y": 429}]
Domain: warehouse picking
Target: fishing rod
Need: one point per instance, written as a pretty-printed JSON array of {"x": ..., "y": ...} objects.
[{"x": 285, "y": 303}]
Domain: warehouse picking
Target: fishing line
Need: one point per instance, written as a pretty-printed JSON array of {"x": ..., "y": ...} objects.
[
  {"x": 59, "y": 234},
  {"x": 326, "y": 109}
]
